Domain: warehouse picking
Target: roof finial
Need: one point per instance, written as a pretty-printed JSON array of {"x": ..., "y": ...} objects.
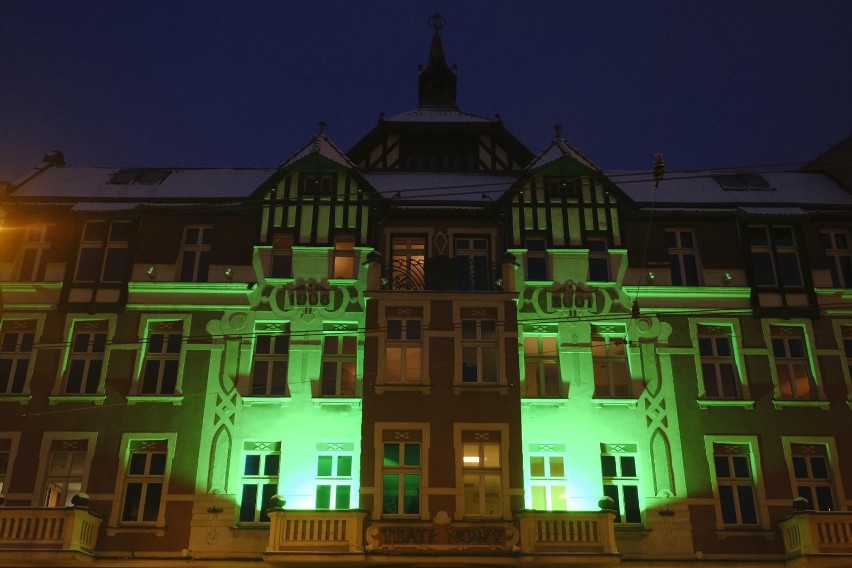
[
  {"x": 437, "y": 22},
  {"x": 322, "y": 126},
  {"x": 557, "y": 128}
]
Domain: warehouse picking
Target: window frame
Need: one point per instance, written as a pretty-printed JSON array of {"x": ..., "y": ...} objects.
[
  {"x": 106, "y": 245},
  {"x": 772, "y": 331},
  {"x": 479, "y": 346},
  {"x": 759, "y": 488},
  {"x": 43, "y": 474},
  {"x": 17, "y": 355},
  {"x": 196, "y": 253},
  {"x": 621, "y": 480},
  {"x": 410, "y": 437},
  {"x": 774, "y": 253},
  {"x": 611, "y": 336},
  {"x": 547, "y": 482},
  {"x": 278, "y": 331},
  {"x": 9, "y": 442},
  {"x": 834, "y": 480},
  {"x": 340, "y": 359},
  {"x": 60, "y": 390},
  {"x": 539, "y": 387},
  {"x": 123, "y": 478},
  {"x": 407, "y": 270},
  {"x": 147, "y": 325},
  {"x": 839, "y": 258},
  {"x": 261, "y": 481},
  {"x": 678, "y": 252},
  {"x": 729, "y": 327},
  {"x": 404, "y": 345},
  {"x": 334, "y": 481},
  {"x": 481, "y": 435},
  {"x": 344, "y": 251},
  {"x": 39, "y": 248}
]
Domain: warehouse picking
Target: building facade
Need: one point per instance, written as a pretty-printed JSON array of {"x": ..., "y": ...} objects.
[{"x": 437, "y": 348}]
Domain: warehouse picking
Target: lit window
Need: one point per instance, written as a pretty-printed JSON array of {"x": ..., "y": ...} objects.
[
  {"x": 718, "y": 367},
  {"x": 33, "y": 256},
  {"x": 282, "y": 256},
  {"x": 612, "y": 371},
  {"x": 86, "y": 360},
  {"x": 339, "y": 365},
  {"x": 548, "y": 487},
  {"x": 479, "y": 347},
  {"x": 334, "y": 480},
  {"x": 66, "y": 465},
  {"x": 408, "y": 257},
  {"x": 735, "y": 484},
  {"x": 536, "y": 258},
  {"x": 16, "y": 349},
  {"x": 774, "y": 257},
  {"x": 792, "y": 364},
  {"x": 541, "y": 366},
  {"x": 144, "y": 481},
  {"x": 343, "y": 257},
  {"x": 621, "y": 481},
  {"x": 261, "y": 466},
  {"x": 482, "y": 474},
  {"x": 473, "y": 263},
  {"x": 403, "y": 350},
  {"x": 837, "y": 248},
  {"x": 195, "y": 254},
  {"x": 271, "y": 357},
  {"x": 162, "y": 358},
  {"x": 812, "y": 475},
  {"x": 598, "y": 259},
  {"x": 683, "y": 257},
  {"x": 103, "y": 252},
  {"x": 401, "y": 474}
]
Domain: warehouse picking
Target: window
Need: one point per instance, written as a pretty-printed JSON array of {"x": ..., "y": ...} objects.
[
  {"x": 261, "y": 466},
  {"x": 536, "y": 258},
  {"x": 718, "y": 368},
  {"x": 343, "y": 257},
  {"x": 16, "y": 349},
  {"x": 334, "y": 478},
  {"x": 473, "y": 263},
  {"x": 847, "y": 346},
  {"x": 774, "y": 257},
  {"x": 66, "y": 465},
  {"x": 735, "y": 484},
  {"x": 541, "y": 366},
  {"x": 271, "y": 357},
  {"x": 339, "y": 365},
  {"x": 6, "y": 453},
  {"x": 836, "y": 245},
  {"x": 792, "y": 365},
  {"x": 482, "y": 474},
  {"x": 743, "y": 182},
  {"x": 282, "y": 256},
  {"x": 33, "y": 255},
  {"x": 138, "y": 176},
  {"x": 621, "y": 481},
  {"x": 195, "y": 254},
  {"x": 479, "y": 347},
  {"x": 162, "y": 358},
  {"x": 103, "y": 252},
  {"x": 598, "y": 259},
  {"x": 408, "y": 255},
  {"x": 548, "y": 486},
  {"x": 561, "y": 188},
  {"x": 86, "y": 359},
  {"x": 401, "y": 475},
  {"x": 144, "y": 481},
  {"x": 683, "y": 257},
  {"x": 609, "y": 357},
  {"x": 404, "y": 348},
  {"x": 812, "y": 475},
  {"x": 318, "y": 184}
]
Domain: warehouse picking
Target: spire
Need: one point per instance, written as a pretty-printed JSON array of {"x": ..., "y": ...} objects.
[{"x": 437, "y": 80}]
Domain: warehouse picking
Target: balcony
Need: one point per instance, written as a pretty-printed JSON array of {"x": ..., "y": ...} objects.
[
  {"x": 336, "y": 533},
  {"x": 569, "y": 533},
  {"x": 808, "y": 533},
  {"x": 72, "y": 530},
  {"x": 464, "y": 274}
]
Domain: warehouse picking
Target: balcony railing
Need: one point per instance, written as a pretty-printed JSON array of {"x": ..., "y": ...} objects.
[
  {"x": 818, "y": 532},
  {"x": 441, "y": 273},
  {"x": 316, "y": 531},
  {"x": 567, "y": 532},
  {"x": 48, "y": 528}
]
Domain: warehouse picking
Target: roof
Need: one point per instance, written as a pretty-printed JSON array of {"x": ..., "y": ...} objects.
[
  {"x": 689, "y": 188},
  {"x": 320, "y": 145},
  {"x": 445, "y": 186},
  {"x": 93, "y": 183},
  {"x": 438, "y": 114},
  {"x": 558, "y": 149}
]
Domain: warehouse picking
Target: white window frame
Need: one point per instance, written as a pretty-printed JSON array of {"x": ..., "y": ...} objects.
[
  {"x": 401, "y": 440},
  {"x": 407, "y": 270},
  {"x": 612, "y": 337},
  {"x": 105, "y": 246},
  {"x": 620, "y": 481},
  {"x": 836, "y": 256},
  {"x": 486, "y": 433},
  {"x": 835, "y": 480},
  {"x": 401, "y": 431},
  {"x": 680, "y": 252},
  {"x": 278, "y": 332},
  {"x": 843, "y": 333},
  {"x": 9, "y": 445},
  {"x": 774, "y": 251},
  {"x": 407, "y": 347},
  {"x": 479, "y": 313},
  {"x": 198, "y": 248},
  {"x": 43, "y": 474},
  {"x": 340, "y": 359},
  {"x": 772, "y": 328},
  {"x": 343, "y": 254},
  {"x": 147, "y": 325},
  {"x": 17, "y": 355},
  {"x": 263, "y": 450},
  {"x": 555, "y": 487},
  {"x": 70, "y": 331},
  {"x": 40, "y": 245},
  {"x": 759, "y": 488},
  {"x": 536, "y": 383},
  {"x": 123, "y": 478},
  {"x": 402, "y": 311},
  {"x": 334, "y": 451}
]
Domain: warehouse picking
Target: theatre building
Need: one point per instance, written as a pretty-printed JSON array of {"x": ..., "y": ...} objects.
[{"x": 438, "y": 348}]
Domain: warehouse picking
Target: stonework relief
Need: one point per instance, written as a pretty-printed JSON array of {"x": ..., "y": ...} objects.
[
  {"x": 441, "y": 534},
  {"x": 307, "y": 299},
  {"x": 568, "y": 299}
]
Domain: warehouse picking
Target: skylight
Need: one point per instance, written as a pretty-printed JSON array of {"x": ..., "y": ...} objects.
[
  {"x": 138, "y": 176},
  {"x": 743, "y": 182}
]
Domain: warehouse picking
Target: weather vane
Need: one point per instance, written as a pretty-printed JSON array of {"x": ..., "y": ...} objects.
[{"x": 436, "y": 21}]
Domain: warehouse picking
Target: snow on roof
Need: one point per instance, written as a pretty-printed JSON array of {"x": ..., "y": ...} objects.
[
  {"x": 784, "y": 188},
  {"x": 94, "y": 183},
  {"x": 444, "y": 186},
  {"x": 320, "y": 144},
  {"x": 559, "y": 148},
  {"x": 438, "y": 114}
]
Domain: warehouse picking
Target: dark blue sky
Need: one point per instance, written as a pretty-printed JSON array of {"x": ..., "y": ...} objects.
[{"x": 216, "y": 83}]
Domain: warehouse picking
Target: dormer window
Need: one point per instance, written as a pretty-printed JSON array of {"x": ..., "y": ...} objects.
[
  {"x": 138, "y": 176},
  {"x": 317, "y": 184},
  {"x": 743, "y": 182}
]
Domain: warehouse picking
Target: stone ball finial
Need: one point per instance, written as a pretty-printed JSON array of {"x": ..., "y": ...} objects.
[
  {"x": 801, "y": 504},
  {"x": 607, "y": 504}
]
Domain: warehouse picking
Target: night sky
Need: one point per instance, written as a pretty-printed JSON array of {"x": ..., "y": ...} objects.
[{"x": 176, "y": 83}]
